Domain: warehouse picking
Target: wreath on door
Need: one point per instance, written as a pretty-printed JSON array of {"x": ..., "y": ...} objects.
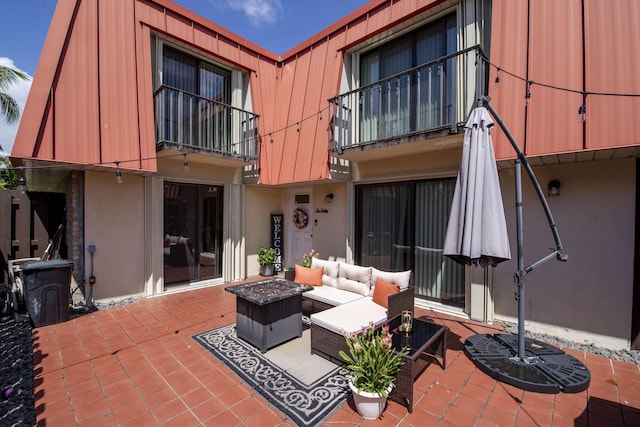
[{"x": 300, "y": 218}]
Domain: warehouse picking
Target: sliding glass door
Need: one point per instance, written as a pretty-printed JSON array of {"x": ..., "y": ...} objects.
[
  {"x": 192, "y": 232},
  {"x": 401, "y": 226}
]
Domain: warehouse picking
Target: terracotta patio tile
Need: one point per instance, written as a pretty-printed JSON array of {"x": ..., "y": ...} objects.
[
  {"x": 208, "y": 409},
  {"x": 498, "y": 416},
  {"x": 102, "y": 420},
  {"x": 196, "y": 396},
  {"x": 183, "y": 419},
  {"x": 475, "y": 391},
  {"x": 264, "y": 417},
  {"x": 130, "y": 410},
  {"x": 78, "y": 374},
  {"x": 160, "y": 397},
  {"x": 111, "y": 388},
  {"x": 140, "y": 420},
  {"x": 544, "y": 401},
  {"x": 461, "y": 417},
  {"x": 505, "y": 402},
  {"x": 345, "y": 415},
  {"x": 168, "y": 410},
  {"x": 469, "y": 404},
  {"x": 483, "y": 380},
  {"x": 535, "y": 415},
  {"x": 65, "y": 419},
  {"x": 420, "y": 418},
  {"x": 232, "y": 395},
  {"x": 122, "y": 398},
  {"x": 83, "y": 387},
  {"x": 631, "y": 415},
  {"x": 93, "y": 409},
  {"x": 433, "y": 405},
  {"x": 573, "y": 399},
  {"x": 48, "y": 409},
  {"x": 224, "y": 418},
  {"x": 608, "y": 409}
]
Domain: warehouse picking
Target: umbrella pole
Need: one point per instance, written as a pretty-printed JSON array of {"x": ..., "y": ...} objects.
[{"x": 521, "y": 270}]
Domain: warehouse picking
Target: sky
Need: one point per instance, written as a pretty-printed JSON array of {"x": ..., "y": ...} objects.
[{"x": 277, "y": 25}]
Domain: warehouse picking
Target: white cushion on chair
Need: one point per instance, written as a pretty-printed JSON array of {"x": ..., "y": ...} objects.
[
  {"x": 400, "y": 278},
  {"x": 349, "y": 317},
  {"x": 330, "y": 273},
  {"x": 354, "y": 278},
  {"x": 332, "y": 296}
]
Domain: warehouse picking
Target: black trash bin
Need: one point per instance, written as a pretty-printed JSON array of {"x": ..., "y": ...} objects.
[{"x": 46, "y": 290}]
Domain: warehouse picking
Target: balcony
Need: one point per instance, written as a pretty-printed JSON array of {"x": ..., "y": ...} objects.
[
  {"x": 420, "y": 104},
  {"x": 191, "y": 123}
]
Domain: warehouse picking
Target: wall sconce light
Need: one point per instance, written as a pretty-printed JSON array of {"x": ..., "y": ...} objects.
[
  {"x": 118, "y": 173},
  {"x": 185, "y": 163},
  {"x": 554, "y": 188},
  {"x": 22, "y": 183},
  {"x": 328, "y": 198}
]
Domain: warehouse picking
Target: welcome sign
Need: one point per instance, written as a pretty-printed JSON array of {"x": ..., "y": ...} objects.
[{"x": 276, "y": 240}]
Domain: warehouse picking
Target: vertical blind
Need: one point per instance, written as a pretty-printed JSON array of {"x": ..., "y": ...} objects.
[
  {"x": 195, "y": 120},
  {"x": 412, "y": 102},
  {"x": 436, "y": 276},
  {"x": 402, "y": 226}
]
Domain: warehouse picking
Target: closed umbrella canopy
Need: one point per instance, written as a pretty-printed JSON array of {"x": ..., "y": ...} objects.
[{"x": 477, "y": 230}]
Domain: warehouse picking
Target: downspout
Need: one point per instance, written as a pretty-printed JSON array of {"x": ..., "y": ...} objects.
[
  {"x": 584, "y": 77},
  {"x": 527, "y": 95}
]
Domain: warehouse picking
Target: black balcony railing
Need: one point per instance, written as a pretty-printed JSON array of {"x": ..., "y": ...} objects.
[
  {"x": 191, "y": 121},
  {"x": 435, "y": 96}
]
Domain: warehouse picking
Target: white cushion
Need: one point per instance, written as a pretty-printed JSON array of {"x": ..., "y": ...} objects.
[
  {"x": 354, "y": 278},
  {"x": 330, "y": 273},
  {"x": 332, "y": 296},
  {"x": 400, "y": 278},
  {"x": 351, "y": 317}
]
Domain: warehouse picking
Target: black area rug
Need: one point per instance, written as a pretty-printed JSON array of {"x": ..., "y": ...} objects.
[{"x": 305, "y": 404}]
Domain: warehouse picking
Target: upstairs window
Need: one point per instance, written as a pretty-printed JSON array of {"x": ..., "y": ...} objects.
[
  {"x": 193, "y": 102},
  {"x": 190, "y": 74},
  {"x": 411, "y": 102}
]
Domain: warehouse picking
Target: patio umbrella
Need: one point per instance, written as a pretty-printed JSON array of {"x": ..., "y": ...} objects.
[
  {"x": 477, "y": 230},
  {"x": 477, "y": 235}
]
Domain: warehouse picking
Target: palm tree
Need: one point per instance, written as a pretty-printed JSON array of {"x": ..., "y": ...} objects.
[
  {"x": 10, "y": 110},
  {"x": 8, "y": 106}
]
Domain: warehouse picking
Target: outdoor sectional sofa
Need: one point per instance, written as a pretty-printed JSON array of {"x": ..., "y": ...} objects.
[{"x": 347, "y": 301}]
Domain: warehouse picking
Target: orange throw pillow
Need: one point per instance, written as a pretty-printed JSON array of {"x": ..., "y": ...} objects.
[
  {"x": 309, "y": 276},
  {"x": 382, "y": 291}
]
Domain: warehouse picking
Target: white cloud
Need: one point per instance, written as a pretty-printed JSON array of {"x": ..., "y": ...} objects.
[
  {"x": 259, "y": 12},
  {"x": 19, "y": 92}
]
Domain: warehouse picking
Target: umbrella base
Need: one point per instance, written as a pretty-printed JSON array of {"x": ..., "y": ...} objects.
[{"x": 543, "y": 369}]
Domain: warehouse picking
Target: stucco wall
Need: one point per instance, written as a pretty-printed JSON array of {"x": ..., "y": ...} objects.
[
  {"x": 330, "y": 228},
  {"x": 114, "y": 223},
  {"x": 588, "y": 298},
  {"x": 261, "y": 202}
]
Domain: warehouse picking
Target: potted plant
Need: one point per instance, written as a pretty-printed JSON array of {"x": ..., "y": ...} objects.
[
  {"x": 307, "y": 259},
  {"x": 266, "y": 258},
  {"x": 371, "y": 366}
]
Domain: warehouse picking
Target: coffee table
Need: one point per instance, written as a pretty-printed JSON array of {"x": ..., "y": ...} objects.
[
  {"x": 425, "y": 338},
  {"x": 268, "y": 312}
]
